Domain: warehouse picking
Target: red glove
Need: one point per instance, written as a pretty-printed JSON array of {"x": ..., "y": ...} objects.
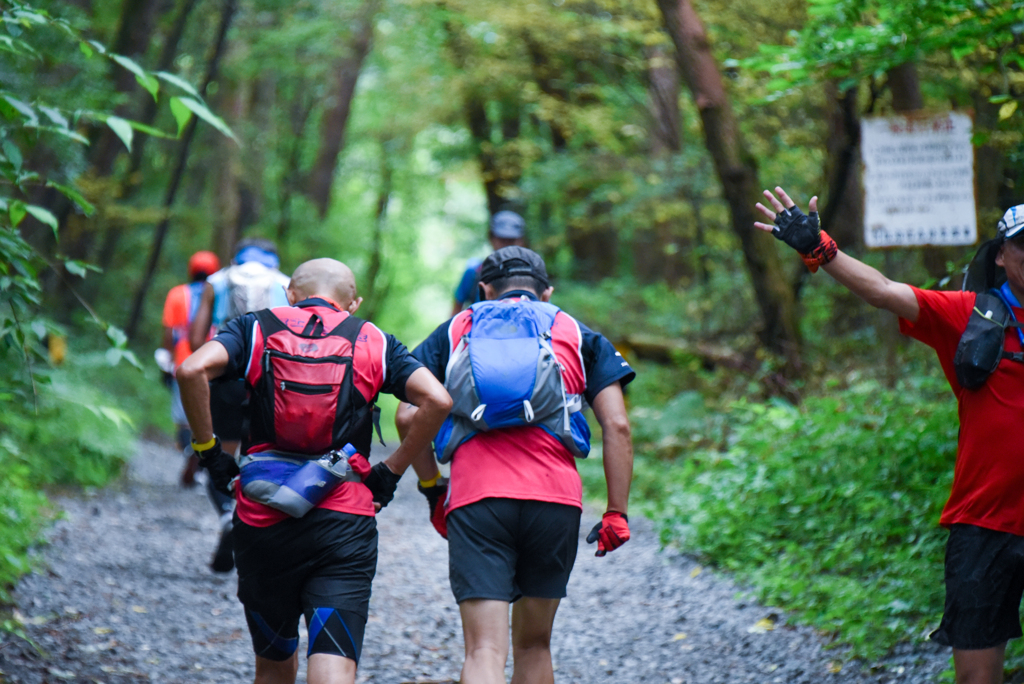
[
  {"x": 436, "y": 498},
  {"x": 611, "y": 533},
  {"x": 360, "y": 466},
  {"x": 822, "y": 254}
]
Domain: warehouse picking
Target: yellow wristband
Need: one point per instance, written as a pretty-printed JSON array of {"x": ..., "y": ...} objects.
[
  {"x": 426, "y": 484},
  {"x": 206, "y": 446}
]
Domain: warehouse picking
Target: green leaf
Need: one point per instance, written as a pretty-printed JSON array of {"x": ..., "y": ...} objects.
[
  {"x": 98, "y": 47},
  {"x": 81, "y": 268},
  {"x": 123, "y": 130},
  {"x": 117, "y": 336},
  {"x": 149, "y": 130},
  {"x": 17, "y": 212},
  {"x": 86, "y": 49},
  {"x": 74, "y": 196},
  {"x": 181, "y": 113},
  {"x": 43, "y": 216},
  {"x": 67, "y": 133},
  {"x": 1007, "y": 110},
  {"x": 55, "y": 116},
  {"x": 200, "y": 110},
  {"x": 149, "y": 83},
  {"x": 23, "y": 109},
  {"x": 178, "y": 81},
  {"x": 12, "y": 153}
]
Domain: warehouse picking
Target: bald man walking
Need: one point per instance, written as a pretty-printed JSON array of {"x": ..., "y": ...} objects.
[{"x": 308, "y": 545}]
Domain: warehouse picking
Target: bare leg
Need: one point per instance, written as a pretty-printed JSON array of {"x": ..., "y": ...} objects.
[
  {"x": 981, "y": 666},
  {"x": 532, "y": 619},
  {"x": 277, "y": 671},
  {"x": 327, "y": 668},
  {"x": 485, "y": 627}
]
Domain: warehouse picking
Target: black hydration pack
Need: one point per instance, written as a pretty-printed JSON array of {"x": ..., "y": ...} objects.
[{"x": 981, "y": 346}]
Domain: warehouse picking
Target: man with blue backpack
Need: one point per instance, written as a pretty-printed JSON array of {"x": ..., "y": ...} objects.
[{"x": 519, "y": 370}]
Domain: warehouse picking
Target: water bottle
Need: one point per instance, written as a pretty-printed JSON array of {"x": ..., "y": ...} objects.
[{"x": 313, "y": 481}]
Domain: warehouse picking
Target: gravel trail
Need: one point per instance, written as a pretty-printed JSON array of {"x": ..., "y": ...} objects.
[{"x": 125, "y": 595}]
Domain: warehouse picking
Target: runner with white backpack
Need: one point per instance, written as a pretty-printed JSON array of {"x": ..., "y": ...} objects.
[
  {"x": 251, "y": 283},
  {"x": 519, "y": 370}
]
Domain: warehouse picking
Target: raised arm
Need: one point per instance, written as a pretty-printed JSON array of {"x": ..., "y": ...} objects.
[{"x": 801, "y": 232}]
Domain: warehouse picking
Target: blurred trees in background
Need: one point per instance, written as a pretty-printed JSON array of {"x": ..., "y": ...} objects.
[{"x": 634, "y": 136}]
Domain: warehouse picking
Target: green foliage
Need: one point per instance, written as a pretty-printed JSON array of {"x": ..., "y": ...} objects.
[
  {"x": 830, "y": 509},
  {"x": 81, "y": 435}
]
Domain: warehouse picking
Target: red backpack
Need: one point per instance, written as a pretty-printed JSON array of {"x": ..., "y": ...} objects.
[{"x": 302, "y": 399}]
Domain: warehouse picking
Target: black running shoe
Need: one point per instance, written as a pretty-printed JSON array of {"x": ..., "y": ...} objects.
[{"x": 223, "y": 560}]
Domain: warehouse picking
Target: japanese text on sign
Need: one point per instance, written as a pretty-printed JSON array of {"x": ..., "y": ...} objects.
[{"x": 918, "y": 181}]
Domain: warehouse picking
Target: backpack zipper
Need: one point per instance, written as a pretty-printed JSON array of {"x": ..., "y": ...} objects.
[{"x": 303, "y": 388}]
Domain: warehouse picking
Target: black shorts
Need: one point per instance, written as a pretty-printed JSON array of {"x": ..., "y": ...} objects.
[
  {"x": 984, "y": 584},
  {"x": 503, "y": 549},
  {"x": 319, "y": 566},
  {"x": 226, "y": 408}
]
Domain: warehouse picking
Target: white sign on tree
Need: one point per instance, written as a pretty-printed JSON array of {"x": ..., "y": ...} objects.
[{"x": 918, "y": 181}]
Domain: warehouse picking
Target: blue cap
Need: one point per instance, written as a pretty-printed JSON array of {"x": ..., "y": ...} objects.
[
  {"x": 508, "y": 225},
  {"x": 257, "y": 254},
  {"x": 349, "y": 450},
  {"x": 1012, "y": 222}
]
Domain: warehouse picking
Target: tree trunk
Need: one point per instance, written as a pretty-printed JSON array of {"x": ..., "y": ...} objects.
[
  {"x": 737, "y": 173},
  {"x": 230, "y": 176},
  {"x": 129, "y": 184},
  {"x": 377, "y": 284},
  {"x": 332, "y": 133},
  {"x": 905, "y": 89},
  {"x": 843, "y": 215},
  {"x": 227, "y": 14}
]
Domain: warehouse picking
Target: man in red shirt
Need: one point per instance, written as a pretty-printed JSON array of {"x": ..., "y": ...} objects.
[
  {"x": 985, "y": 511},
  {"x": 306, "y": 403},
  {"x": 514, "y": 500}
]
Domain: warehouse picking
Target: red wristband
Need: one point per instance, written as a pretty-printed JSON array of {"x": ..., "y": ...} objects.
[{"x": 822, "y": 254}]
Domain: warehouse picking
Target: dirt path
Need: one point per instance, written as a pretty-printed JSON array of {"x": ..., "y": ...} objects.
[{"x": 125, "y": 595}]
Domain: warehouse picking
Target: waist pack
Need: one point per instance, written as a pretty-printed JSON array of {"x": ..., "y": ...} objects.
[
  {"x": 303, "y": 400},
  {"x": 981, "y": 346},
  {"x": 504, "y": 373},
  {"x": 292, "y": 483}
]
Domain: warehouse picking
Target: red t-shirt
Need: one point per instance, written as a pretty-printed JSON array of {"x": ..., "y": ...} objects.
[
  {"x": 526, "y": 462},
  {"x": 988, "y": 479}
]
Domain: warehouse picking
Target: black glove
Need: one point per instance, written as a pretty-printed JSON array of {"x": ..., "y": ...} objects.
[
  {"x": 220, "y": 466},
  {"x": 436, "y": 496},
  {"x": 382, "y": 483},
  {"x": 797, "y": 229}
]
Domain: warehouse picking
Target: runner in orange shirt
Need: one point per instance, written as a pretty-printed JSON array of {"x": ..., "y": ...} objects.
[{"x": 179, "y": 309}]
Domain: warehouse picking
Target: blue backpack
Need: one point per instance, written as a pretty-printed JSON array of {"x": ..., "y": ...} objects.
[{"x": 504, "y": 373}]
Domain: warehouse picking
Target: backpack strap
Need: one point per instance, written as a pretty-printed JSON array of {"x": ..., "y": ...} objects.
[
  {"x": 269, "y": 323},
  {"x": 347, "y": 329}
]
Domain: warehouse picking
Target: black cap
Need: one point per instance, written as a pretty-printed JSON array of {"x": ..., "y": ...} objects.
[
  {"x": 508, "y": 225},
  {"x": 513, "y": 261}
]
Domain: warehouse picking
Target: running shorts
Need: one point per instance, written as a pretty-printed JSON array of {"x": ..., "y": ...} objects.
[
  {"x": 227, "y": 401},
  {"x": 319, "y": 566},
  {"x": 503, "y": 549},
  {"x": 984, "y": 584}
]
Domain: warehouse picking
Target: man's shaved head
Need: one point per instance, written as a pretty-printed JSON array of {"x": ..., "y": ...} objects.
[{"x": 325, "y": 278}]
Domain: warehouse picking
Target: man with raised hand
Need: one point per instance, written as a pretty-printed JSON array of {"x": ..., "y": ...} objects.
[
  {"x": 984, "y": 571},
  {"x": 518, "y": 369},
  {"x": 307, "y": 546}
]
